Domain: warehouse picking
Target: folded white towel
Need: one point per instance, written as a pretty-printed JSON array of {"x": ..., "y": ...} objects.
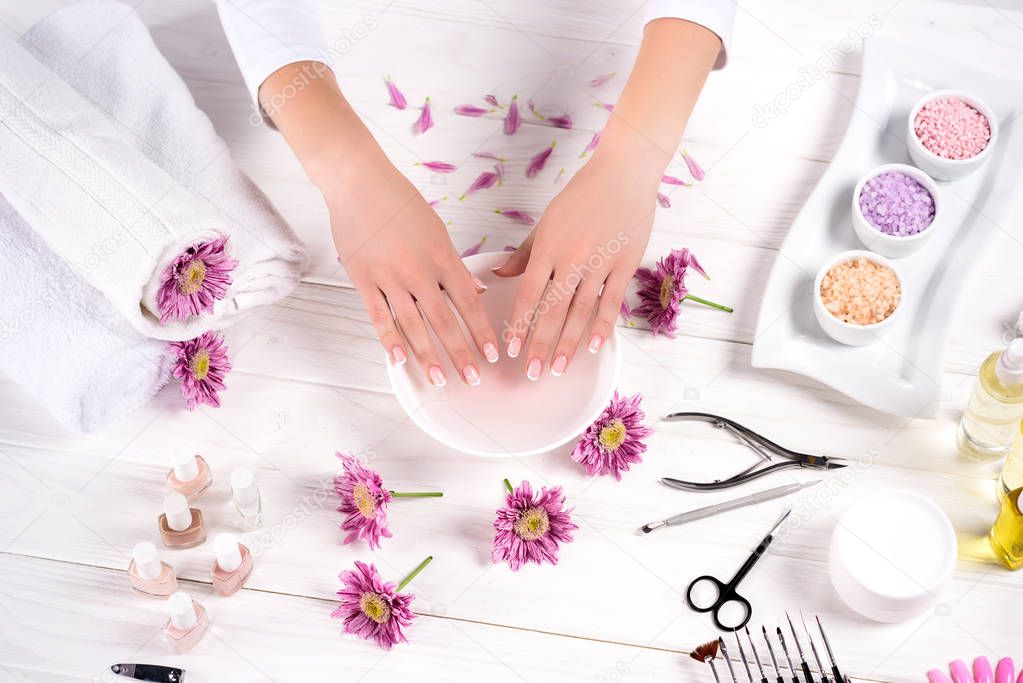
[
  {"x": 63, "y": 342},
  {"x": 103, "y": 142}
]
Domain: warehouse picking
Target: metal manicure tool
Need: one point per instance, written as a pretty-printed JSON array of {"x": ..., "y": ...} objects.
[
  {"x": 710, "y": 510},
  {"x": 839, "y": 678},
  {"x": 774, "y": 660},
  {"x": 756, "y": 656},
  {"x": 761, "y": 445},
  {"x": 813, "y": 648}
]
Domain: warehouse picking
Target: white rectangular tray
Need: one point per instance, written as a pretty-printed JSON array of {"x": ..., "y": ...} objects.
[{"x": 900, "y": 373}]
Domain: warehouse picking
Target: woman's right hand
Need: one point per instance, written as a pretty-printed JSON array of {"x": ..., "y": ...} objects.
[{"x": 399, "y": 256}]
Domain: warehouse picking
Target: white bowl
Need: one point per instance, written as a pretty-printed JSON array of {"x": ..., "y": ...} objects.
[
  {"x": 851, "y": 333},
  {"x": 941, "y": 168},
  {"x": 894, "y": 246},
  {"x": 892, "y": 553},
  {"x": 507, "y": 414}
]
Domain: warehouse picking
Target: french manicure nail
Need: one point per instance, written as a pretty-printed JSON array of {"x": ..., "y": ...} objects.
[
  {"x": 533, "y": 371},
  {"x": 479, "y": 284},
  {"x": 490, "y": 352},
  {"x": 398, "y": 355},
  {"x": 960, "y": 674},
  {"x": 437, "y": 376},
  {"x": 1005, "y": 670},
  {"x": 595, "y": 342},
  {"x": 559, "y": 365},
  {"x": 471, "y": 375},
  {"x": 514, "y": 346},
  {"x": 982, "y": 671},
  {"x": 935, "y": 676}
]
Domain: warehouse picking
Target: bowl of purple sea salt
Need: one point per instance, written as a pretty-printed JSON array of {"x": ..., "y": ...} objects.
[{"x": 894, "y": 209}]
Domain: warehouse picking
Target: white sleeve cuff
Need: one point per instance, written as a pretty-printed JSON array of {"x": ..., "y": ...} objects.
[{"x": 714, "y": 15}]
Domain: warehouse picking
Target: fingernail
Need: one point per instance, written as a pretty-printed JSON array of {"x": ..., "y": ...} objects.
[
  {"x": 479, "y": 284},
  {"x": 982, "y": 670},
  {"x": 398, "y": 355},
  {"x": 960, "y": 674},
  {"x": 490, "y": 351},
  {"x": 471, "y": 375},
  {"x": 935, "y": 676},
  {"x": 514, "y": 346},
  {"x": 595, "y": 341},
  {"x": 1005, "y": 670},
  {"x": 559, "y": 365},
  {"x": 437, "y": 376},
  {"x": 533, "y": 371}
]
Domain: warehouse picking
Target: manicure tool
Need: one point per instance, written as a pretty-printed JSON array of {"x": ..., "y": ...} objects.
[
  {"x": 710, "y": 510},
  {"x": 742, "y": 655},
  {"x": 728, "y": 661},
  {"x": 813, "y": 648},
  {"x": 839, "y": 678},
  {"x": 756, "y": 656},
  {"x": 149, "y": 672},
  {"x": 761, "y": 445},
  {"x": 774, "y": 660},
  {"x": 799, "y": 648},
  {"x": 706, "y": 654},
  {"x": 788, "y": 657},
  {"x": 726, "y": 593}
]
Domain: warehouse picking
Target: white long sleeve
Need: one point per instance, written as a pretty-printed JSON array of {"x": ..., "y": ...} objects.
[{"x": 266, "y": 35}]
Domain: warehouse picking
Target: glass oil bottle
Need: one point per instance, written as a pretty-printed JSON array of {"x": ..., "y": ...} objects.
[
  {"x": 1007, "y": 532},
  {"x": 993, "y": 413},
  {"x": 1012, "y": 472}
]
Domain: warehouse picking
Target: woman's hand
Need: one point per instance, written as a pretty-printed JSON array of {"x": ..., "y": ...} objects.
[
  {"x": 399, "y": 255},
  {"x": 578, "y": 261}
]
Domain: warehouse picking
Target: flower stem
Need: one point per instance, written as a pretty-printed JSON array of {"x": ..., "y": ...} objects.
[
  {"x": 509, "y": 486},
  {"x": 705, "y": 302},
  {"x": 415, "y": 572},
  {"x": 416, "y": 494}
]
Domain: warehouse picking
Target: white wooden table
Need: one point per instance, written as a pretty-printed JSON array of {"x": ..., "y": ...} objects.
[{"x": 309, "y": 379}]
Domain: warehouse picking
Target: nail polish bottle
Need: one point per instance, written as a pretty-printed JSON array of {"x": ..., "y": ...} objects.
[
  {"x": 190, "y": 475},
  {"x": 148, "y": 575},
  {"x": 233, "y": 565},
  {"x": 180, "y": 525},
  {"x": 187, "y": 625},
  {"x": 246, "y": 499}
]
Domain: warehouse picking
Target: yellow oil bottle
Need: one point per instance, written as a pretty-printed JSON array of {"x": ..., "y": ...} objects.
[
  {"x": 1012, "y": 472},
  {"x": 1007, "y": 532}
]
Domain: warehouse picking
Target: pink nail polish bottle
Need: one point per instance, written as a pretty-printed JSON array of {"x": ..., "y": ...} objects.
[
  {"x": 187, "y": 625},
  {"x": 148, "y": 575},
  {"x": 180, "y": 525},
  {"x": 233, "y": 565},
  {"x": 190, "y": 475}
]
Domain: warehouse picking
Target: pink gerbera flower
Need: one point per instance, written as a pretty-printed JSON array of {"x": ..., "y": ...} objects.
[
  {"x": 195, "y": 280},
  {"x": 201, "y": 365},
  {"x": 363, "y": 501},
  {"x": 662, "y": 290},
  {"x": 531, "y": 527},
  {"x": 372, "y": 609},
  {"x": 614, "y": 442}
]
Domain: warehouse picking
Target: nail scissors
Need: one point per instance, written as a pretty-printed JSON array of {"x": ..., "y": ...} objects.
[
  {"x": 726, "y": 593},
  {"x": 761, "y": 445}
]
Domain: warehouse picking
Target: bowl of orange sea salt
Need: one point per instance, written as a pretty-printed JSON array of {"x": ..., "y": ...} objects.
[{"x": 857, "y": 296}]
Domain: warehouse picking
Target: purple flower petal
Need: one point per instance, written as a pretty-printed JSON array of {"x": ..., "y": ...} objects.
[
  {"x": 471, "y": 110},
  {"x": 663, "y": 200},
  {"x": 482, "y": 182},
  {"x": 591, "y": 145},
  {"x": 563, "y": 121},
  {"x": 602, "y": 79},
  {"x": 425, "y": 120},
  {"x": 515, "y": 215},
  {"x": 512, "y": 122},
  {"x": 537, "y": 163},
  {"x": 474, "y": 249},
  {"x": 437, "y": 166},
  {"x": 488, "y": 155},
  {"x": 672, "y": 180},
  {"x": 492, "y": 101},
  {"x": 694, "y": 168},
  {"x": 397, "y": 98}
]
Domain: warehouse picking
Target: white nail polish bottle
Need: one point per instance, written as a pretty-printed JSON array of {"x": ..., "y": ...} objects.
[{"x": 246, "y": 499}]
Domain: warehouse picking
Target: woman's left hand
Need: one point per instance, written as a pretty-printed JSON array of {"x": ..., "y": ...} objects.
[{"x": 579, "y": 259}]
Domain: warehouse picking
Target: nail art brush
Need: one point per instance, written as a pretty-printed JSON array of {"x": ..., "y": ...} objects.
[
  {"x": 839, "y": 678},
  {"x": 728, "y": 660},
  {"x": 756, "y": 656},
  {"x": 813, "y": 649},
  {"x": 717, "y": 508},
  {"x": 742, "y": 654},
  {"x": 774, "y": 660},
  {"x": 799, "y": 648},
  {"x": 706, "y": 653},
  {"x": 788, "y": 657}
]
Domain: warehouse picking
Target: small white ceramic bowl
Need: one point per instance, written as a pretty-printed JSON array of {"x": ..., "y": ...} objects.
[
  {"x": 851, "y": 333},
  {"x": 941, "y": 168},
  {"x": 894, "y": 246},
  {"x": 891, "y": 555}
]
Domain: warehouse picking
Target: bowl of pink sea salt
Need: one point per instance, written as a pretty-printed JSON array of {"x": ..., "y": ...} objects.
[
  {"x": 857, "y": 296},
  {"x": 951, "y": 134},
  {"x": 894, "y": 209}
]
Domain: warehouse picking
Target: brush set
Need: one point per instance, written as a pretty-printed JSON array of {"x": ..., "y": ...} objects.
[{"x": 806, "y": 671}]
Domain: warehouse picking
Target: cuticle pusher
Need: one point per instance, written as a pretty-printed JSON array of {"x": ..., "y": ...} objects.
[{"x": 744, "y": 501}]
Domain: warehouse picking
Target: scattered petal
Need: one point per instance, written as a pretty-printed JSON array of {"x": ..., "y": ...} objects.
[
  {"x": 397, "y": 98},
  {"x": 510, "y": 248},
  {"x": 605, "y": 106},
  {"x": 194, "y": 281},
  {"x": 537, "y": 163},
  {"x": 602, "y": 79},
  {"x": 201, "y": 365},
  {"x": 371, "y": 608},
  {"x": 474, "y": 249},
  {"x": 592, "y": 145},
  {"x": 694, "y": 168},
  {"x": 482, "y": 182},
  {"x": 558, "y": 178},
  {"x": 512, "y": 122},
  {"x": 425, "y": 120},
  {"x": 492, "y": 101},
  {"x": 563, "y": 121},
  {"x": 471, "y": 110},
  {"x": 488, "y": 155},
  {"x": 437, "y": 166},
  {"x": 614, "y": 442},
  {"x": 624, "y": 309},
  {"x": 672, "y": 180},
  {"x": 532, "y": 108},
  {"x": 499, "y": 171},
  {"x": 663, "y": 200},
  {"x": 520, "y": 216},
  {"x": 435, "y": 202},
  {"x": 531, "y": 527}
]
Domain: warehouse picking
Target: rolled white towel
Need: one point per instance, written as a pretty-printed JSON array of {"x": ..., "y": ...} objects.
[
  {"x": 103, "y": 142},
  {"x": 63, "y": 342}
]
